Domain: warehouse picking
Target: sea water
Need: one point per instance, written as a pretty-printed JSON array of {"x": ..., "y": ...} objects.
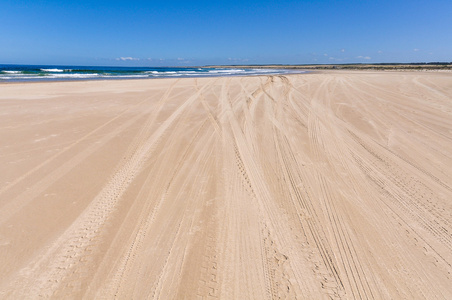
[{"x": 10, "y": 73}]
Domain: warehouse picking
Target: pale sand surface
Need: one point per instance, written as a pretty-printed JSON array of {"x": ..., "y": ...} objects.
[{"x": 313, "y": 186}]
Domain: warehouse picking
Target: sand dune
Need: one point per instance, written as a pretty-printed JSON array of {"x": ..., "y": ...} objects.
[{"x": 313, "y": 186}]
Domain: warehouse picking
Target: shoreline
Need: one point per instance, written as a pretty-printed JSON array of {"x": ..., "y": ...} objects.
[
  {"x": 303, "y": 72},
  {"x": 132, "y": 79},
  {"x": 23, "y": 73},
  {"x": 11, "y": 74}
]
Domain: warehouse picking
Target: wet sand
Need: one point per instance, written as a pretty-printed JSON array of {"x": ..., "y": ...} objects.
[{"x": 313, "y": 186}]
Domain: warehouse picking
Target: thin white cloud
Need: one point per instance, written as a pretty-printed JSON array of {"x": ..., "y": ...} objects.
[
  {"x": 415, "y": 50},
  {"x": 364, "y": 57},
  {"x": 379, "y": 51},
  {"x": 127, "y": 58},
  {"x": 342, "y": 50}
]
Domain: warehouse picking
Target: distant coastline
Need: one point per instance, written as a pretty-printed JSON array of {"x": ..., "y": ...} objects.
[{"x": 356, "y": 66}]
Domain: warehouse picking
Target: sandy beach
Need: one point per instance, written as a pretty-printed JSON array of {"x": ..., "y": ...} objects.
[{"x": 333, "y": 185}]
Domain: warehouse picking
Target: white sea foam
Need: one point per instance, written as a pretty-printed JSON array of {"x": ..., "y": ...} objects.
[
  {"x": 232, "y": 71},
  {"x": 72, "y": 75},
  {"x": 188, "y": 73},
  {"x": 175, "y": 74},
  {"x": 191, "y": 73},
  {"x": 12, "y": 72},
  {"x": 128, "y": 76},
  {"x": 16, "y": 77},
  {"x": 52, "y": 70},
  {"x": 265, "y": 71},
  {"x": 161, "y": 72}
]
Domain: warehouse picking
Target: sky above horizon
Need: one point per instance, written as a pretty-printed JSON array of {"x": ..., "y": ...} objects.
[{"x": 182, "y": 33}]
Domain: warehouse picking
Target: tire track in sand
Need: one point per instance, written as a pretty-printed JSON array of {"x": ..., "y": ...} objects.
[
  {"x": 43, "y": 275},
  {"x": 71, "y": 145}
]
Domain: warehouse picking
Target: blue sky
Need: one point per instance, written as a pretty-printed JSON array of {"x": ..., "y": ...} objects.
[{"x": 169, "y": 33}]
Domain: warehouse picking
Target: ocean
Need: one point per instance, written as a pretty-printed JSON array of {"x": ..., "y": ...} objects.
[{"x": 15, "y": 73}]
